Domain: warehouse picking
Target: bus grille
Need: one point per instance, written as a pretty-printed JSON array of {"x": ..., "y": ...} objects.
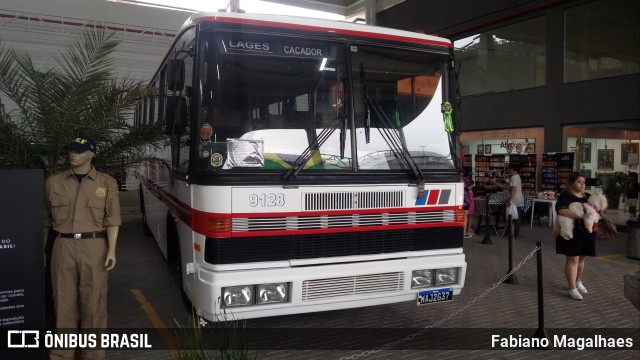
[
  {"x": 277, "y": 248},
  {"x": 353, "y": 200},
  {"x": 338, "y": 221},
  {"x": 351, "y": 285}
]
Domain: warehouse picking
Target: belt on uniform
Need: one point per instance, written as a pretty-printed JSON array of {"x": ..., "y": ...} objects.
[{"x": 84, "y": 235}]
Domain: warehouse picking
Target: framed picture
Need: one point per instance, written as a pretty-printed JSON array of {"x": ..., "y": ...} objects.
[
  {"x": 629, "y": 149},
  {"x": 480, "y": 149},
  {"x": 531, "y": 148},
  {"x": 605, "y": 159},
  {"x": 585, "y": 153},
  {"x": 487, "y": 149}
]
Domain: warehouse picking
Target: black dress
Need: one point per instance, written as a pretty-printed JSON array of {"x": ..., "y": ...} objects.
[{"x": 583, "y": 242}]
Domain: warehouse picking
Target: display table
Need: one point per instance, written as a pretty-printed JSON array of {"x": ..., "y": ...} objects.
[
  {"x": 493, "y": 203},
  {"x": 551, "y": 210}
]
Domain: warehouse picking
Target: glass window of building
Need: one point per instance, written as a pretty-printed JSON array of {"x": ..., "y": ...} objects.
[
  {"x": 508, "y": 58},
  {"x": 601, "y": 40}
]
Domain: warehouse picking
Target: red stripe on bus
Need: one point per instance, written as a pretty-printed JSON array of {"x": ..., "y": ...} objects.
[
  {"x": 322, "y": 29},
  {"x": 433, "y": 197},
  {"x": 198, "y": 220},
  {"x": 265, "y": 233},
  {"x": 315, "y": 213}
]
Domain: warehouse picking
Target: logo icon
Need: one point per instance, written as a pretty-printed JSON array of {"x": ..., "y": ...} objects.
[
  {"x": 101, "y": 192},
  {"x": 23, "y": 339}
]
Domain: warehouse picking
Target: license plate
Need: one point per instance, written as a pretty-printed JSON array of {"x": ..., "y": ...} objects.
[{"x": 435, "y": 295}]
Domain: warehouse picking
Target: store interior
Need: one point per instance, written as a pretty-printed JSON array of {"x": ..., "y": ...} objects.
[{"x": 604, "y": 155}]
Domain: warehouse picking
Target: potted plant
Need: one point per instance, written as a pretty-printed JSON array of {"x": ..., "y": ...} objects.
[{"x": 614, "y": 187}]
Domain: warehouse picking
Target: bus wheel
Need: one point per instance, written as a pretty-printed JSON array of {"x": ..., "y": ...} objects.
[
  {"x": 174, "y": 259},
  {"x": 146, "y": 230},
  {"x": 145, "y": 227}
]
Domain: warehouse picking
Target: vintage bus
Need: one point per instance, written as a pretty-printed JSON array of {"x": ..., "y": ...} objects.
[{"x": 311, "y": 166}]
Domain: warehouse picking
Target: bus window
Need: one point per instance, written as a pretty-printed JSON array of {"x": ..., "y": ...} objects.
[
  {"x": 404, "y": 94},
  {"x": 283, "y": 99}
]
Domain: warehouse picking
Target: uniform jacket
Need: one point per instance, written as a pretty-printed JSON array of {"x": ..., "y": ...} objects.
[{"x": 74, "y": 207}]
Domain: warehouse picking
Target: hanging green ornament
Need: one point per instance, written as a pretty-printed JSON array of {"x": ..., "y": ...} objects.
[{"x": 447, "y": 109}]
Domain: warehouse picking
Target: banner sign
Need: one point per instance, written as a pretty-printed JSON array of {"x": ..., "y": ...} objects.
[{"x": 21, "y": 250}]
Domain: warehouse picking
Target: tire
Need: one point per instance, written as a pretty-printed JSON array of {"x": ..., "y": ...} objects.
[
  {"x": 146, "y": 230},
  {"x": 174, "y": 259}
]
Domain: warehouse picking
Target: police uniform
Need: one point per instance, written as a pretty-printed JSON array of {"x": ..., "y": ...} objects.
[{"x": 80, "y": 212}]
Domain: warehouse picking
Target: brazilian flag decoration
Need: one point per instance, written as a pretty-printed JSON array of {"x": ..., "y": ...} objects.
[{"x": 275, "y": 161}]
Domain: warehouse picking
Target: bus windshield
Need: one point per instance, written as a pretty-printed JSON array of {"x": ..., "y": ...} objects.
[{"x": 272, "y": 103}]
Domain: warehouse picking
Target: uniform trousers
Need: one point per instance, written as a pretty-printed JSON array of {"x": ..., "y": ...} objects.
[{"x": 79, "y": 282}]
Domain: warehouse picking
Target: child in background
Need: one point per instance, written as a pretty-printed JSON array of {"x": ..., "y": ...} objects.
[{"x": 471, "y": 212}]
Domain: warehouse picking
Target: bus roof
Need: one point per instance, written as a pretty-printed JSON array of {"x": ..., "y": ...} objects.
[{"x": 319, "y": 25}]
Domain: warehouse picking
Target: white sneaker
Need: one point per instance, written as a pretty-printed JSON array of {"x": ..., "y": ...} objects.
[
  {"x": 575, "y": 294},
  {"x": 581, "y": 288}
]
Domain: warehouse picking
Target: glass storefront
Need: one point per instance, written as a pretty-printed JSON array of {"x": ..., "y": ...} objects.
[
  {"x": 601, "y": 40},
  {"x": 508, "y": 58},
  {"x": 601, "y": 152},
  {"x": 498, "y": 148}
]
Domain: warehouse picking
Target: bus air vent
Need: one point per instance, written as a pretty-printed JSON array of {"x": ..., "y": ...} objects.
[
  {"x": 351, "y": 285},
  {"x": 354, "y": 200}
]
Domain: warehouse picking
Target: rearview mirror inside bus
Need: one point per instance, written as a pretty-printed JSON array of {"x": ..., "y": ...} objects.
[
  {"x": 175, "y": 74},
  {"x": 175, "y": 115}
]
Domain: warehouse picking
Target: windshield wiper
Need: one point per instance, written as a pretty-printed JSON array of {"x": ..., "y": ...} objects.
[
  {"x": 387, "y": 130},
  {"x": 323, "y": 136},
  {"x": 308, "y": 153}
]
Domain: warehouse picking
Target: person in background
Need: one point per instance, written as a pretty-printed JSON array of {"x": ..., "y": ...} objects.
[
  {"x": 516, "y": 196},
  {"x": 492, "y": 184},
  {"x": 583, "y": 243},
  {"x": 632, "y": 190},
  {"x": 82, "y": 207},
  {"x": 471, "y": 211},
  {"x": 466, "y": 200}
]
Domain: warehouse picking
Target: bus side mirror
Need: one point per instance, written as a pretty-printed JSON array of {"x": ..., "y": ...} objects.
[
  {"x": 175, "y": 115},
  {"x": 175, "y": 75}
]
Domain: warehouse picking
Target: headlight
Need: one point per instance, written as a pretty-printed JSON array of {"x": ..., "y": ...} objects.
[
  {"x": 237, "y": 295},
  {"x": 421, "y": 278},
  {"x": 446, "y": 276},
  {"x": 272, "y": 293}
]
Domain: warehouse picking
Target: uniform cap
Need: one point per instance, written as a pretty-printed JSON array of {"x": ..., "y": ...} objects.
[{"x": 82, "y": 144}]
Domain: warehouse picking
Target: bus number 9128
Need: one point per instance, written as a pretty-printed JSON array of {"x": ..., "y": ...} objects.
[{"x": 266, "y": 200}]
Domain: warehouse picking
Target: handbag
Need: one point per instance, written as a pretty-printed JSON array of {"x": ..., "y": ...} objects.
[
  {"x": 606, "y": 228},
  {"x": 513, "y": 211}
]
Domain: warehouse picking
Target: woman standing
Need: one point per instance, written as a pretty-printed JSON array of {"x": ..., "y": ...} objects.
[{"x": 583, "y": 243}]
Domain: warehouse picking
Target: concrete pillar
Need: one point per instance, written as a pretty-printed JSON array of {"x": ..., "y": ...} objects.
[{"x": 370, "y": 11}]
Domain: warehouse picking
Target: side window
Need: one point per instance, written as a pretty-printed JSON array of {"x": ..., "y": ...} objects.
[
  {"x": 185, "y": 138},
  {"x": 176, "y": 101}
]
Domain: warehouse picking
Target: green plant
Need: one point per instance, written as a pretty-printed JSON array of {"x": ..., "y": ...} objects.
[
  {"x": 615, "y": 186},
  {"x": 225, "y": 335},
  {"x": 43, "y": 109}
]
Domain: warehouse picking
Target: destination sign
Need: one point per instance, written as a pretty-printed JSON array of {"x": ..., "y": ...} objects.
[{"x": 277, "y": 48}]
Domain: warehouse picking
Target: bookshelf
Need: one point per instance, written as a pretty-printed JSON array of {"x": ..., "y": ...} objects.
[
  {"x": 556, "y": 168},
  {"x": 527, "y": 165},
  {"x": 485, "y": 165},
  {"x": 467, "y": 164}
]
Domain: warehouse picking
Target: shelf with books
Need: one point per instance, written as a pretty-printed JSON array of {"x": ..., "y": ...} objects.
[
  {"x": 481, "y": 174},
  {"x": 468, "y": 166},
  {"x": 486, "y": 167},
  {"x": 556, "y": 169}
]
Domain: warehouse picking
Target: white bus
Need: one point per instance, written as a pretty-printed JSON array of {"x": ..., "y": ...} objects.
[{"x": 308, "y": 167}]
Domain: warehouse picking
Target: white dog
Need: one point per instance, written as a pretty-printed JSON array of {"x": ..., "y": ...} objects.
[{"x": 589, "y": 210}]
